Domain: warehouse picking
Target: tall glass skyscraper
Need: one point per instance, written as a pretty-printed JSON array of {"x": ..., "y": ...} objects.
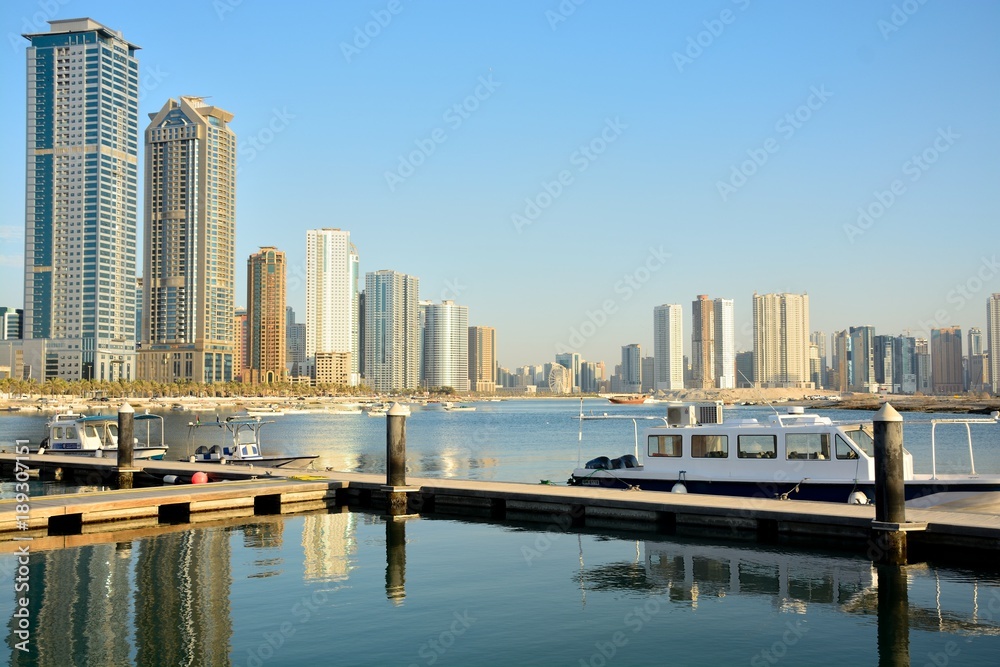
[
  {"x": 392, "y": 331},
  {"x": 80, "y": 200},
  {"x": 188, "y": 331},
  {"x": 332, "y": 317},
  {"x": 445, "y": 345}
]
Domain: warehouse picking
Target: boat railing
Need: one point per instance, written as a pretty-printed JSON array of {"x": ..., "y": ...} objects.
[{"x": 994, "y": 418}]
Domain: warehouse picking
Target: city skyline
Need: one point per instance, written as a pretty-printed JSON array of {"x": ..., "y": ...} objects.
[{"x": 838, "y": 154}]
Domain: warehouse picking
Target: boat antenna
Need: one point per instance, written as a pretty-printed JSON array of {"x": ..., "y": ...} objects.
[{"x": 757, "y": 389}]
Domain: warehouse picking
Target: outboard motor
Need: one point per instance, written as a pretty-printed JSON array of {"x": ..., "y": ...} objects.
[
  {"x": 617, "y": 464},
  {"x": 629, "y": 461},
  {"x": 600, "y": 463}
]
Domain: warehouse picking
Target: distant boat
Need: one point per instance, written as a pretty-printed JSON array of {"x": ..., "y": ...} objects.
[
  {"x": 459, "y": 408},
  {"x": 627, "y": 399}
]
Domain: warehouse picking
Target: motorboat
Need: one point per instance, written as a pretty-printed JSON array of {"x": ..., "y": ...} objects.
[
  {"x": 75, "y": 434},
  {"x": 459, "y": 408},
  {"x": 627, "y": 399},
  {"x": 787, "y": 456},
  {"x": 241, "y": 445}
]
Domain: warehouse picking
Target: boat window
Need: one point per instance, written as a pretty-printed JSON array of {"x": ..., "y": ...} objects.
[
  {"x": 710, "y": 446},
  {"x": 756, "y": 446},
  {"x": 90, "y": 431},
  {"x": 844, "y": 450},
  {"x": 665, "y": 445},
  {"x": 862, "y": 439},
  {"x": 807, "y": 446},
  {"x": 57, "y": 433}
]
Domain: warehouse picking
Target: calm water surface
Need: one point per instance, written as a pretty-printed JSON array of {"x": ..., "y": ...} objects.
[{"x": 350, "y": 589}]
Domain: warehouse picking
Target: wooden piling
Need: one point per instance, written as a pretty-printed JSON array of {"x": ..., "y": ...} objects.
[
  {"x": 395, "y": 454},
  {"x": 126, "y": 440},
  {"x": 889, "y": 527}
]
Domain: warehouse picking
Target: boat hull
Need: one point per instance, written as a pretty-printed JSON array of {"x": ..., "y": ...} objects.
[
  {"x": 832, "y": 491},
  {"x": 264, "y": 462}
]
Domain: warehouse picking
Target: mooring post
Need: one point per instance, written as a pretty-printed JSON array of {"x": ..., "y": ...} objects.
[
  {"x": 126, "y": 438},
  {"x": 395, "y": 450},
  {"x": 890, "y": 525}
]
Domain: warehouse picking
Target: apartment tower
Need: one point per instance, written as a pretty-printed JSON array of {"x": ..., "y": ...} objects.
[
  {"x": 392, "y": 331},
  {"x": 668, "y": 348},
  {"x": 189, "y": 267},
  {"x": 266, "y": 271},
  {"x": 482, "y": 359},
  {"x": 781, "y": 340},
  {"x": 331, "y": 297}
]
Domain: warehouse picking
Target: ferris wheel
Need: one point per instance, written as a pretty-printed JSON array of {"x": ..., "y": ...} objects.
[{"x": 559, "y": 380}]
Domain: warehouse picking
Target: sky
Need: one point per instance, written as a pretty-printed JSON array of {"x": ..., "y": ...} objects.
[{"x": 563, "y": 167}]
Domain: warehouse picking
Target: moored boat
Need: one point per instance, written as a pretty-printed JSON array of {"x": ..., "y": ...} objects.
[
  {"x": 241, "y": 445},
  {"x": 798, "y": 456},
  {"x": 74, "y": 434},
  {"x": 627, "y": 399}
]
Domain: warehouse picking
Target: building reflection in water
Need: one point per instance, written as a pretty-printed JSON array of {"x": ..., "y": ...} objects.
[
  {"x": 182, "y": 588},
  {"x": 329, "y": 544}
]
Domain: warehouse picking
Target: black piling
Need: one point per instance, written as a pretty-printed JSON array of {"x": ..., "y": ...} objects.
[
  {"x": 395, "y": 454},
  {"x": 890, "y": 527},
  {"x": 126, "y": 440}
]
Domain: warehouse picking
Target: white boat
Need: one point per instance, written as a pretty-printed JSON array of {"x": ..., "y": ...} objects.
[
  {"x": 241, "y": 445},
  {"x": 97, "y": 435},
  {"x": 460, "y": 408},
  {"x": 796, "y": 455}
]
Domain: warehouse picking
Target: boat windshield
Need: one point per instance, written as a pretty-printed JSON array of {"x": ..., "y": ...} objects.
[{"x": 862, "y": 438}]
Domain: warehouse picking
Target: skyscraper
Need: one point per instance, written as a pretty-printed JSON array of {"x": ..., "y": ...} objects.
[
  {"x": 668, "y": 347},
  {"x": 632, "y": 368},
  {"x": 818, "y": 338},
  {"x": 993, "y": 341},
  {"x": 904, "y": 364},
  {"x": 482, "y": 359},
  {"x": 445, "y": 341},
  {"x": 189, "y": 244},
  {"x": 295, "y": 345},
  {"x": 571, "y": 361},
  {"x": 702, "y": 343},
  {"x": 883, "y": 359},
  {"x": 80, "y": 199},
  {"x": 392, "y": 331},
  {"x": 863, "y": 359},
  {"x": 331, "y": 296},
  {"x": 842, "y": 375},
  {"x": 978, "y": 372},
  {"x": 725, "y": 344},
  {"x": 781, "y": 340},
  {"x": 946, "y": 360},
  {"x": 266, "y": 315}
]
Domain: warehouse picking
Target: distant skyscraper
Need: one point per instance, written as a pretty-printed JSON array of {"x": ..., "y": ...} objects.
[
  {"x": 975, "y": 341},
  {"x": 392, "y": 331},
  {"x": 725, "y": 344},
  {"x": 295, "y": 345},
  {"x": 81, "y": 190},
  {"x": 266, "y": 315},
  {"x": 632, "y": 368},
  {"x": 571, "y": 361},
  {"x": 445, "y": 341},
  {"x": 863, "y": 359},
  {"x": 781, "y": 340},
  {"x": 189, "y": 243},
  {"x": 241, "y": 348},
  {"x": 818, "y": 338},
  {"x": 10, "y": 323},
  {"x": 904, "y": 369},
  {"x": 702, "y": 343},
  {"x": 648, "y": 373},
  {"x": 884, "y": 355},
  {"x": 843, "y": 376},
  {"x": 993, "y": 341},
  {"x": 946, "y": 360},
  {"x": 668, "y": 347},
  {"x": 588, "y": 377},
  {"x": 331, "y": 296},
  {"x": 482, "y": 359},
  {"x": 744, "y": 369}
]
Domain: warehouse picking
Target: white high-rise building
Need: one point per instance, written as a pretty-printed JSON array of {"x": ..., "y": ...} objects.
[
  {"x": 392, "y": 331},
  {"x": 993, "y": 341},
  {"x": 725, "y": 344},
  {"x": 80, "y": 201},
  {"x": 331, "y": 297},
  {"x": 668, "y": 347},
  {"x": 781, "y": 340},
  {"x": 445, "y": 345},
  {"x": 189, "y": 243}
]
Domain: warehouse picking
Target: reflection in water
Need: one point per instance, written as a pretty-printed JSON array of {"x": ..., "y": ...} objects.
[
  {"x": 893, "y": 617},
  {"x": 182, "y": 586},
  {"x": 265, "y": 535},
  {"x": 395, "y": 559},
  {"x": 328, "y": 545}
]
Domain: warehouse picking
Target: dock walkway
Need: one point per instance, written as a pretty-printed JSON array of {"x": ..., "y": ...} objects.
[{"x": 971, "y": 524}]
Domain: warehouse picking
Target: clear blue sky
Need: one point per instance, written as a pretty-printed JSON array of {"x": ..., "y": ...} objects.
[{"x": 883, "y": 88}]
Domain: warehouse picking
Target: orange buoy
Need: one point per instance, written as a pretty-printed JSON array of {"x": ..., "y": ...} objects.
[{"x": 199, "y": 478}]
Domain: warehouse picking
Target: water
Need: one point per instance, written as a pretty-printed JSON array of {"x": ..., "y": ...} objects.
[
  {"x": 514, "y": 441},
  {"x": 347, "y": 588},
  {"x": 350, "y": 589}
]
